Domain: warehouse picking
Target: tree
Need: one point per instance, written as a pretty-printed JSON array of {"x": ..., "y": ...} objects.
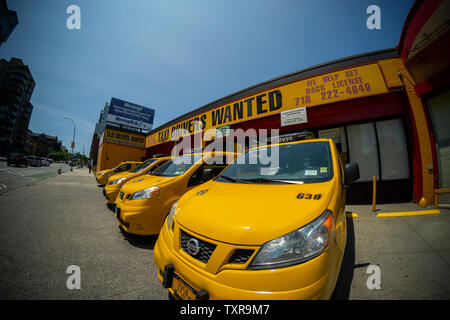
[
  {"x": 80, "y": 157},
  {"x": 59, "y": 155}
]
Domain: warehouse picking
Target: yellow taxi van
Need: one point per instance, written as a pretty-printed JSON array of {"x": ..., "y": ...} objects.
[
  {"x": 102, "y": 176},
  {"x": 116, "y": 181},
  {"x": 260, "y": 230},
  {"x": 144, "y": 202}
]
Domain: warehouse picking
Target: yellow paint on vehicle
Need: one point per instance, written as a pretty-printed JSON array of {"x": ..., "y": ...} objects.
[
  {"x": 232, "y": 216},
  {"x": 145, "y": 216},
  {"x": 112, "y": 190},
  {"x": 102, "y": 176}
]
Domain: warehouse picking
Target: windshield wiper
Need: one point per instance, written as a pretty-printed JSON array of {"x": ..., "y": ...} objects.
[
  {"x": 231, "y": 179},
  {"x": 260, "y": 179}
]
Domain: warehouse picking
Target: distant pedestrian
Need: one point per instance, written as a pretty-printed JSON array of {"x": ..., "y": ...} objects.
[{"x": 90, "y": 168}]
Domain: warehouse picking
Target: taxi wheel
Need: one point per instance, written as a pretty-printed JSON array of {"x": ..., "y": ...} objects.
[{"x": 171, "y": 297}]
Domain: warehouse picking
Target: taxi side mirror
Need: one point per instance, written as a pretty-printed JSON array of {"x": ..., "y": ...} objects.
[
  {"x": 351, "y": 173},
  {"x": 207, "y": 174}
]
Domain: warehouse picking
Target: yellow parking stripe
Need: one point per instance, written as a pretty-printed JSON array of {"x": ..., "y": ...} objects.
[
  {"x": 407, "y": 213},
  {"x": 352, "y": 215}
]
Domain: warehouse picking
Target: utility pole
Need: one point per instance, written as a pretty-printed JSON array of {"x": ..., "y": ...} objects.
[{"x": 73, "y": 141}]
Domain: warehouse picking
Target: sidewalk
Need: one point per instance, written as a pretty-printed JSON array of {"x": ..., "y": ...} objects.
[
  {"x": 392, "y": 207},
  {"x": 413, "y": 253},
  {"x": 78, "y": 172}
]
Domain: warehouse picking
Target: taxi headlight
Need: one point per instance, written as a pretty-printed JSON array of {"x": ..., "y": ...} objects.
[
  {"x": 118, "y": 181},
  {"x": 171, "y": 214},
  {"x": 145, "y": 194},
  {"x": 298, "y": 246}
]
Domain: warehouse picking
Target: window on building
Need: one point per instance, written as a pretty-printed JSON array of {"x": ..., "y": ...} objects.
[
  {"x": 393, "y": 150},
  {"x": 362, "y": 146},
  {"x": 440, "y": 111},
  {"x": 339, "y": 139}
]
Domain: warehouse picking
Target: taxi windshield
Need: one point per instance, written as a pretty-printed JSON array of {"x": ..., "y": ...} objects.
[
  {"x": 143, "y": 165},
  {"x": 176, "y": 166},
  {"x": 308, "y": 162}
]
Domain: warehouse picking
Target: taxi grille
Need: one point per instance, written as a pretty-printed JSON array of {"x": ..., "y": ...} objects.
[
  {"x": 122, "y": 195},
  {"x": 240, "y": 256},
  {"x": 205, "y": 251}
]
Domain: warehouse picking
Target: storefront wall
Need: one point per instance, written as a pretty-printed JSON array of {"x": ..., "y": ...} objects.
[
  {"x": 387, "y": 134},
  {"x": 439, "y": 108},
  {"x": 371, "y": 131},
  {"x": 117, "y": 145},
  {"x": 111, "y": 154},
  {"x": 425, "y": 50}
]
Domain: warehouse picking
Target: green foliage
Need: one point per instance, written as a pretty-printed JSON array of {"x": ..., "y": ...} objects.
[
  {"x": 59, "y": 155},
  {"x": 80, "y": 158}
]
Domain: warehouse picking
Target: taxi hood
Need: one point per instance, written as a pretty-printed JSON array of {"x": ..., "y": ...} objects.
[
  {"x": 251, "y": 214},
  {"x": 124, "y": 174},
  {"x": 145, "y": 181}
]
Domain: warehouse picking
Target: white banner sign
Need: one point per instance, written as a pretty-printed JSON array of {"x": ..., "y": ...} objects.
[{"x": 294, "y": 116}]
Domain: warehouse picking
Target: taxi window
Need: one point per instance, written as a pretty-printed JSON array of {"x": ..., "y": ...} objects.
[
  {"x": 124, "y": 167},
  {"x": 156, "y": 167},
  {"x": 177, "y": 166},
  {"x": 143, "y": 165},
  {"x": 308, "y": 162},
  {"x": 216, "y": 164}
]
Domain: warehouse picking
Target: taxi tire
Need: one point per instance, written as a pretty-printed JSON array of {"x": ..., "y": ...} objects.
[{"x": 171, "y": 297}]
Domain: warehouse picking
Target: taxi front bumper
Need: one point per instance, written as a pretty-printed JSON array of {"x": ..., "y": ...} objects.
[
  {"x": 311, "y": 280},
  {"x": 111, "y": 192},
  {"x": 145, "y": 219},
  {"x": 101, "y": 180}
]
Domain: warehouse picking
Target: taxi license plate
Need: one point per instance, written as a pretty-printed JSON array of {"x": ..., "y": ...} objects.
[{"x": 182, "y": 289}]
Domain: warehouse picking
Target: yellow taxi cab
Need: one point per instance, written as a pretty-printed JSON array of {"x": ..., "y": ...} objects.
[
  {"x": 116, "y": 181},
  {"x": 102, "y": 176},
  {"x": 260, "y": 230},
  {"x": 144, "y": 202}
]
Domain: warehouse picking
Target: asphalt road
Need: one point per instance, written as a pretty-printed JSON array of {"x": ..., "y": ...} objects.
[
  {"x": 56, "y": 221},
  {"x": 52, "y": 224},
  {"x": 13, "y": 177}
]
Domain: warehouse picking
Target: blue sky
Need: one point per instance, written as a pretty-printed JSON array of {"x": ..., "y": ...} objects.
[{"x": 175, "y": 56}]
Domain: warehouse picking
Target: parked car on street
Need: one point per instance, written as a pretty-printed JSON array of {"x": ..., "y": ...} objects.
[
  {"x": 34, "y": 161},
  {"x": 45, "y": 162},
  {"x": 115, "y": 182},
  {"x": 17, "y": 159},
  {"x": 102, "y": 176},
  {"x": 259, "y": 231},
  {"x": 144, "y": 202}
]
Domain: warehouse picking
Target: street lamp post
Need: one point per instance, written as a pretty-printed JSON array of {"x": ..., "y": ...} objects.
[{"x": 73, "y": 141}]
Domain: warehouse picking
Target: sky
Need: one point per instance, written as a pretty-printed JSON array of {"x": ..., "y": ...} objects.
[{"x": 175, "y": 56}]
